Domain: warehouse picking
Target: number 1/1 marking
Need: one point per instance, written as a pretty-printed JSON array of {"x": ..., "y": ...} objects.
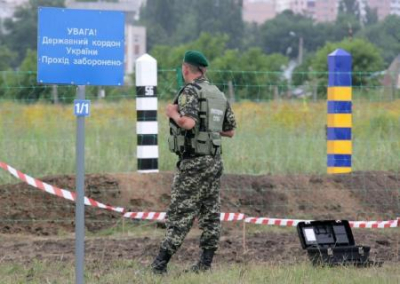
[{"x": 82, "y": 107}]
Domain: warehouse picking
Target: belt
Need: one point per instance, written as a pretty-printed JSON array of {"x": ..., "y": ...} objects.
[{"x": 186, "y": 156}]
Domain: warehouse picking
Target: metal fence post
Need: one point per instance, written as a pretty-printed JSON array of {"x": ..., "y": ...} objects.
[
  {"x": 146, "y": 108},
  {"x": 80, "y": 194},
  {"x": 339, "y": 127}
]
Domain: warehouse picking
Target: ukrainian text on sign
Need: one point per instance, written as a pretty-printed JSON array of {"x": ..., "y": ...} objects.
[{"x": 80, "y": 47}]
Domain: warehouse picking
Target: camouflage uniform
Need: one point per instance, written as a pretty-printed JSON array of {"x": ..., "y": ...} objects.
[{"x": 195, "y": 189}]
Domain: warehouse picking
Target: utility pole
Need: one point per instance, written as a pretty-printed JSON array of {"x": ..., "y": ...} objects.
[{"x": 300, "y": 55}]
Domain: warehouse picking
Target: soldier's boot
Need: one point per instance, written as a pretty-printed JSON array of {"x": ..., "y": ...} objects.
[
  {"x": 159, "y": 265},
  {"x": 205, "y": 261}
]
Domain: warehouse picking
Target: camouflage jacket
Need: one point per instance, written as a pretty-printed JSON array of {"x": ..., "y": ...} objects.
[{"x": 188, "y": 105}]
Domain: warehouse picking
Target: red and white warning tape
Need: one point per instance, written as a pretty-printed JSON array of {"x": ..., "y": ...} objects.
[
  {"x": 294, "y": 222},
  {"x": 226, "y": 217},
  {"x": 162, "y": 215},
  {"x": 55, "y": 190},
  {"x": 232, "y": 217},
  {"x": 274, "y": 221},
  {"x": 146, "y": 215},
  {"x": 375, "y": 224},
  {"x": 91, "y": 202}
]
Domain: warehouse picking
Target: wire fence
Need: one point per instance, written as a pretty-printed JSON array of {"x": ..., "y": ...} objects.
[
  {"x": 275, "y": 166},
  {"x": 256, "y": 86}
]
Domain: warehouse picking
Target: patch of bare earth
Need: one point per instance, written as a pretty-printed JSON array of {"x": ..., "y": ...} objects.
[{"x": 30, "y": 219}]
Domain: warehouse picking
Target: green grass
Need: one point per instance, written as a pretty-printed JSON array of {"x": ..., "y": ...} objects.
[
  {"x": 133, "y": 272},
  {"x": 278, "y": 137}
]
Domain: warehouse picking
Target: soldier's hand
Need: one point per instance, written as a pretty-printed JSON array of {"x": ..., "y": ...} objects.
[{"x": 171, "y": 111}]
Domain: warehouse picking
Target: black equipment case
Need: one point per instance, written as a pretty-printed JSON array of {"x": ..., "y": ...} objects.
[{"x": 331, "y": 242}]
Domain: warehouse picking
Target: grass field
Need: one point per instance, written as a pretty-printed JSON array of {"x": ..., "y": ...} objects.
[
  {"x": 133, "y": 272},
  {"x": 277, "y": 137}
]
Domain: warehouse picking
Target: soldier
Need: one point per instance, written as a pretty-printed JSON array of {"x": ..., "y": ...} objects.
[{"x": 199, "y": 116}]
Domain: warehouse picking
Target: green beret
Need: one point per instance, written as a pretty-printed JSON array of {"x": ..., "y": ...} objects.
[{"x": 195, "y": 58}]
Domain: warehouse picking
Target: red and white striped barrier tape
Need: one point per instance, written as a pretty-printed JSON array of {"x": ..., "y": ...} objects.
[
  {"x": 55, "y": 190},
  {"x": 226, "y": 217},
  {"x": 274, "y": 221},
  {"x": 146, "y": 215},
  {"x": 294, "y": 222},
  {"x": 375, "y": 224},
  {"x": 91, "y": 202},
  {"x": 231, "y": 217}
]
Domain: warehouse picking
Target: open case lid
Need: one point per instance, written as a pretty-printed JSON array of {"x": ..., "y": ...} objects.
[{"x": 324, "y": 234}]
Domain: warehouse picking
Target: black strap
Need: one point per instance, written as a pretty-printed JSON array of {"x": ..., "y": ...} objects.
[
  {"x": 195, "y": 85},
  {"x": 186, "y": 156}
]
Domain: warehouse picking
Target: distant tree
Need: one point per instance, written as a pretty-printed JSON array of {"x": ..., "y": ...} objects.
[
  {"x": 6, "y": 58},
  {"x": 371, "y": 16},
  {"x": 386, "y": 36},
  {"x": 21, "y": 30},
  {"x": 303, "y": 72},
  {"x": 160, "y": 20},
  {"x": 365, "y": 57},
  {"x": 249, "y": 72},
  {"x": 221, "y": 16},
  {"x": 251, "y": 36},
  {"x": 251, "y": 60},
  {"x": 26, "y": 78},
  {"x": 171, "y": 57},
  {"x": 345, "y": 26},
  {"x": 169, "y": 22},
  {"x": 282, "y": 34},
  {"x": 349, "y": 7},
  {"x": 250, "y": 68},
  {"x": 114, "y": 1}
]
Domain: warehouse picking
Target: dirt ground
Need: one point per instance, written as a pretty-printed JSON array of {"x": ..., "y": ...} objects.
[
  {"x": 274, "y": 247},
  {"x": 32, "y": 221}
]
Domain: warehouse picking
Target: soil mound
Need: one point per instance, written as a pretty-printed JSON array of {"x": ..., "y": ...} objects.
[{"x": 356, "y": 196}]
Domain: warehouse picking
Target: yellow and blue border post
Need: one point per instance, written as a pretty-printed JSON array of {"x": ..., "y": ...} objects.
[{"x": 339, "y": 127}]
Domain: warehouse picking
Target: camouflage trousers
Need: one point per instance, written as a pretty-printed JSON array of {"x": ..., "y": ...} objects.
[{"x": 195, "y": 193}]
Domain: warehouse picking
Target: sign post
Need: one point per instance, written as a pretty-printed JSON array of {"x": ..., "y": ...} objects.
[
  {"x": 81, "y": 112},
  {"x": 80, "y": 47}
]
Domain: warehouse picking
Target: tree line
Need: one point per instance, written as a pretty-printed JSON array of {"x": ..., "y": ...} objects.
[
  {"x": 216, "y": 27},
  {"x": 170, "y": 23}
]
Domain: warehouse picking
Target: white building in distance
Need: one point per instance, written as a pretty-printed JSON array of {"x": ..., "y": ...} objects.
[{"x": 259, "y": 11}]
